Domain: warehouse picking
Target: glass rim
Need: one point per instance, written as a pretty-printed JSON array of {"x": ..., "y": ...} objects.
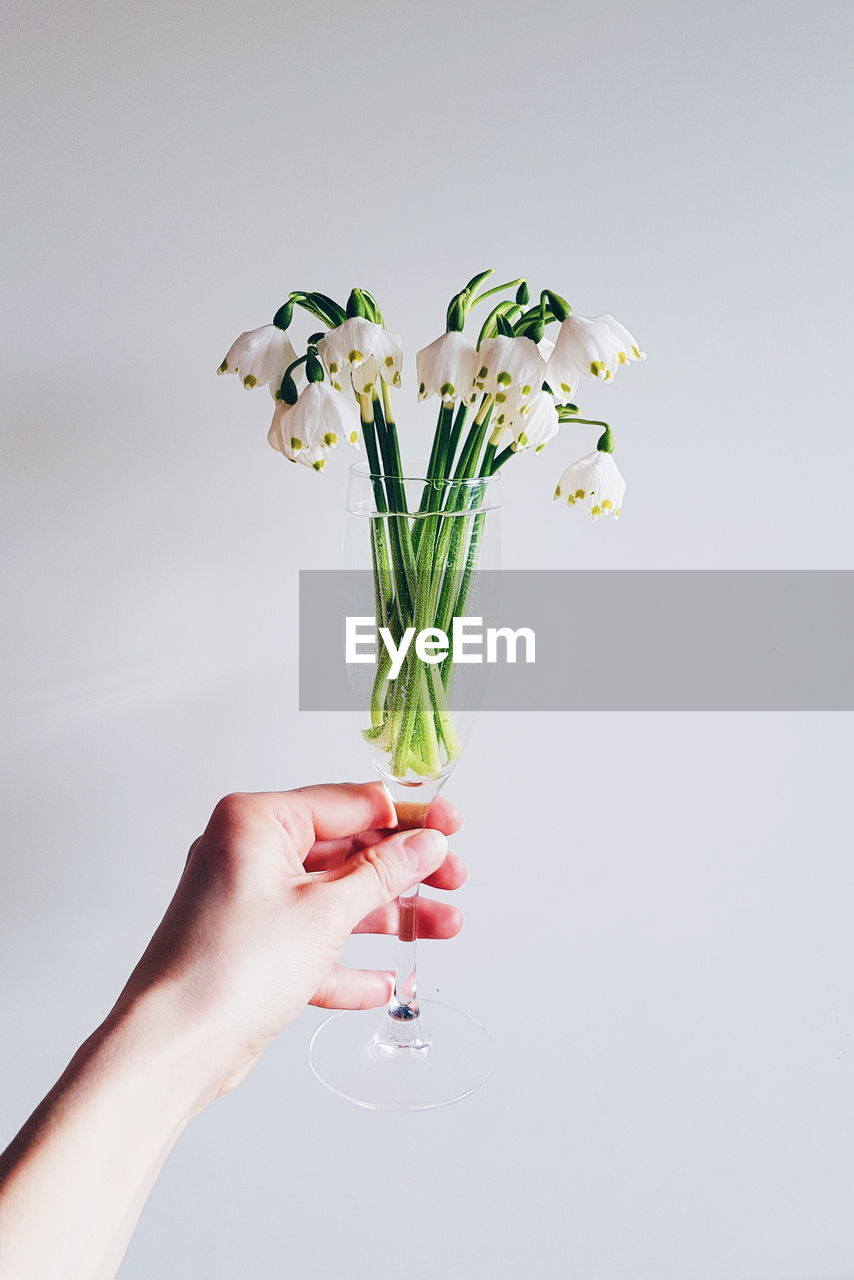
[{"x": 363, "y": 471}]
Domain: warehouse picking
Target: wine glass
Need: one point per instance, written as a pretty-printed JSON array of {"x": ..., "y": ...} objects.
[{"x": 428, "y": 549}]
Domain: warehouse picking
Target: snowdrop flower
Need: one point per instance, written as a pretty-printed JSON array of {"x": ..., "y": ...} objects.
[
  {"x": 596, "y": 478},
  {"x": 447, "y": 368},
  {"x": 360, "y": 345},
  {"x": 589, "y": 347},
  {"x": 537, "y": 423},
  {"x": 308, "y": 430},
  {"x": 260, "y": 356},
  {"x": 546, "y": 346}
]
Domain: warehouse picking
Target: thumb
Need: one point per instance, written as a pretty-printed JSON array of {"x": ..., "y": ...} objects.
[{"x": 385, "y": 870}]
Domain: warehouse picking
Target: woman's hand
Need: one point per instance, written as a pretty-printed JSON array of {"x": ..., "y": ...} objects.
[
  {"x": 267, "y": 898},
  {"x": 269, "y": 894}
]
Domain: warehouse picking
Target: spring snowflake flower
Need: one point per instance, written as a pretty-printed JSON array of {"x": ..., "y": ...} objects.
[
  {"x": 628, "y": 346},
  {"x": 589, "y": 347},
  {"x": 358, "y": 352},
  {"x": 594, "y": 478},
  {"x": 309, "y": 430},
  {"x": 509, "y": 365},
  {"x": 260, "y": 357},
  {"x": 447, "y": 368},
  {"x": 511, "y": 370},
  {"x": 536, "y": 424}
]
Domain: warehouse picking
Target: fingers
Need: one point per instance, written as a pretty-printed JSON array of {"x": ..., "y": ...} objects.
[
  {"x": 380, "y": 873},
  {"x": 435, "y": 919},
  {"x": 344, "y": 988},
  {"x": 451, "y": 875},
  {"x": 444, "y": 817},
  {"x": 329, "y": 854},
  {"x": 339, "y": 809}
]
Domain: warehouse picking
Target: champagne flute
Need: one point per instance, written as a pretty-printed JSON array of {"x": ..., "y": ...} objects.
[{"x": 422, "y": 545}]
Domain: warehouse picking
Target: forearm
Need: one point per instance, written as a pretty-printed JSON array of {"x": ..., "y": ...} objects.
[{"x": 74, "y": 1180}]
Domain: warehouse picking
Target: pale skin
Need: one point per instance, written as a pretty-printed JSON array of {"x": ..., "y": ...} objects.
[{"x": 269, "y": 893}]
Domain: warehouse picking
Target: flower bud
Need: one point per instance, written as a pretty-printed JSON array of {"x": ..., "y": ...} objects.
[
  {"x": 478, "y": 280},
  {"x": 284, "y": 315},
  {"x": 356, "y": 305},
  {"x": 313, "y": 368},
  {"x": 288, "y": 390},
  {"x": 560, "y": 307},
  {"x": 457, "y": 314}
]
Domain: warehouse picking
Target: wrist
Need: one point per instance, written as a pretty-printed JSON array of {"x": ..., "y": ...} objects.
[{"x": 159, "y": 1049}]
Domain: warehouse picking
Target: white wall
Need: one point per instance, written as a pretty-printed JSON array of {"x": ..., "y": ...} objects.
[{"x": 672, "y": 1000}]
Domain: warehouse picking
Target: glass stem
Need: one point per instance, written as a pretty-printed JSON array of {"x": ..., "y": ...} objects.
[
  {"x": 406, "y": 1030},
  {"x": 403, "y": 1006}
]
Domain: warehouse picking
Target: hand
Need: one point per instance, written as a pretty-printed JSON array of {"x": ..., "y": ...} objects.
[{"x": 269, "y": 894}]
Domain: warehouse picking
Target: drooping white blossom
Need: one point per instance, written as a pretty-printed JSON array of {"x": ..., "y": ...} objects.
[
  {"x": 509, "y": 366},
  {"x": 536, "y": 424},
  {"x": 546, "y": 346},
  {"x": 594, "y": 479},
  {"x": 629, "y": 349},
  {"x": 447, "y": 368},
  {"x": 260, "y": 357},
  {"x": 358, "y": 352},
  {"x": 511, "y": 371},
  {"x": 589, "y": 347},
  {"x": 309, "y": 430}
]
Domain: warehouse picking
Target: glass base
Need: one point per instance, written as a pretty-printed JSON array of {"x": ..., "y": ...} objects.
[{"x": 448, "y": 1057}]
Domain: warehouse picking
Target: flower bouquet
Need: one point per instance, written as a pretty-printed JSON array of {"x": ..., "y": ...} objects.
[{"x": 504, "y": 392}]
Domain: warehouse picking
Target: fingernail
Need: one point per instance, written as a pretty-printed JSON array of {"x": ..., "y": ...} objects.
[{"x": 424, "y": 847}]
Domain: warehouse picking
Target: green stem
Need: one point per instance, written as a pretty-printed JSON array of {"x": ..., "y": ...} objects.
[
  {"x": 502, "y": 458},
  {"x": 499, "y": 288},
  {"x": 454, "y": 438},
  {"x": 489, "y": 325}
]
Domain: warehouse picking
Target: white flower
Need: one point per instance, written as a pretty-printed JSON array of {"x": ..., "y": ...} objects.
[
  {"x": 597, "y": 478},
  {"x": 358, "y": 352},
  {"x": 537, "y": 423},
  {"x": 546, "y": 346},
  {"x": 260, "y": 356},
  {"x": 447, "y": 368},
  {"x": 511, "y": 371},
  {"x": 629, "y": 349},
  {"x": 589, "y": 347},
  {"x": 308, "y": 430},
  {"x": 509, "y": 366}
]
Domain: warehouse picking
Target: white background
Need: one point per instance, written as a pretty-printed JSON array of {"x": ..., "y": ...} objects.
[{"x": 659, "y": 910}]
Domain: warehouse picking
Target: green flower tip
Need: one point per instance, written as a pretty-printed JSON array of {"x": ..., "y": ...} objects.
[
  {"x": 288, "y": 390},
  {"x": 357, "y": 305},
  {"x": 478, "y": 280},
  {"x": 559, "y": 306},
  {"x": 284, "y": 315},
  {"x": 313, "y": 369}
]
